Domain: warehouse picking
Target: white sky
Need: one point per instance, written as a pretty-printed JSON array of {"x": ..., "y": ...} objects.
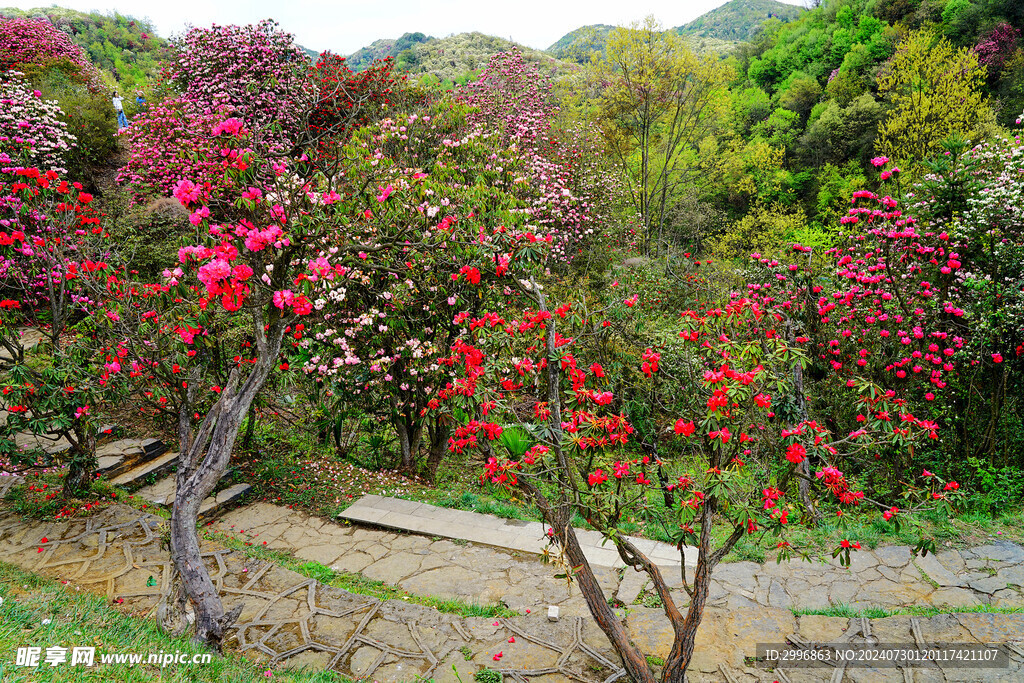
[{"x": 345, "y": 26}]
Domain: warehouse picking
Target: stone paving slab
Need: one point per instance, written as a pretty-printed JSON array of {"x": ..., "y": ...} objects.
[
  {"x": 288, "y": 619},
  {"x": 510, "y": 534},
  {"x": 156, "y": 466}
]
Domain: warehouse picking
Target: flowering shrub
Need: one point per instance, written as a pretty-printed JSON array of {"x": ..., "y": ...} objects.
[
  {"x": 35, "y": 45},
  {"x": 46, "y": 225},
  {"x": 219, "y": 69},
  {"x": 996, "y": 47},
  {"x": 388, "y": 322},
  {"x": 31, "y": 128},
  {"x": 570, "y": 188},
  {"x": 169, "y": 142},
  {"x": 740, "y": 458}
]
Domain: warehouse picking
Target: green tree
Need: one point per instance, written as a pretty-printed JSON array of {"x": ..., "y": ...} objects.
[
  {"x": 661, "y": 103},
  {"x": 934, "y": 91}
]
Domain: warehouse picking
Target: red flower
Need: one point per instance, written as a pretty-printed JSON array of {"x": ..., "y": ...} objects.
[
  {"x": 684, "y": 428},
  {"x": 796, "y": 453},
  {"x": 997, "y": 358}
]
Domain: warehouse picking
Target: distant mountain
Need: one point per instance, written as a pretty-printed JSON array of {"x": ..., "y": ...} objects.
[
  {"x": 717, "y": 30},
  {"x": 738, "y": 20},
  {"x": 454, "y": 59},
  {"x": 577, "y": 46},
  {"x": 387, "y": 47}
]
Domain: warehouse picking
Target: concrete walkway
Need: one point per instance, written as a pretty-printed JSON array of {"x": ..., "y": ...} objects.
[{"x": 510, "y": 534}]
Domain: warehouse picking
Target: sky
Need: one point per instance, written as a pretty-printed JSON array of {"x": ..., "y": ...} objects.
[{"x": 344, "y": 26}]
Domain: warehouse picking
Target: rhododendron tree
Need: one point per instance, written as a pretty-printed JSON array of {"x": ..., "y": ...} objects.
[
  {"x": 385, "y": 327},
  {"x": 47, "y": 227},
  {"x": 911, "y": 302},
  {"x": 35, "y": 46},
  {"x": 169, "y": 142},
  {"x": 571, "y": 189},
  {"x": 278, "y": 236},
  {"x": 31, "y": 128},
  {"x": 254, "y": 72},
  {"x": 720, "y": 377}
]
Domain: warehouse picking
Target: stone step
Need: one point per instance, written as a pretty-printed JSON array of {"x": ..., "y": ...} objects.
[
  {"x": 217, "y": 502},
  {"x": 27, "y": 441},
  {"x": 157, "y": 466},
  {"x": 117, "y": 457},
  {"x": 510, "y": 534},
  {"x": 162, "y": 492}
]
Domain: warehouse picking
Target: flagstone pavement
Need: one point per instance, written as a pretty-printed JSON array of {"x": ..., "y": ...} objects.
[{"x": 292, "y": 620}]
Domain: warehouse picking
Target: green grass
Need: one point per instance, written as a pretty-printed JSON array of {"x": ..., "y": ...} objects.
[
  {"x": 40, "y": 498},
  {"x": 87, "y": 620},
  {"x": 357, "y": 583},
  {"x": 845, "y": 611}
]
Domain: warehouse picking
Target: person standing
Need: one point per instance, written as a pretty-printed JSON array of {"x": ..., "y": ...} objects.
[
  {"x": 122, "y": 120},
  {"x": 140, "y": 99}
]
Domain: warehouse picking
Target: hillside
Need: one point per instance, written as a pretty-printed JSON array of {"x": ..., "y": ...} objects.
[
  {"x": 453, "y": 59},
  {"x": 738, "y": 20},
  {"x": 403, "y": 49},
  {"x": 577, "y": 45},
  {"x": 125, "y": 47},
  {"x": 716, "y": 31}
]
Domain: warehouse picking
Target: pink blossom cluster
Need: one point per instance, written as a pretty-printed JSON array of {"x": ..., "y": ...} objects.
[
  {"x": 38, "y": 42},
  {"x": 219, "y": 68},
  {"x": 31, "y": 127},
  {"x": 568, "y": 185},
  {"x": 168, "y": 143}
]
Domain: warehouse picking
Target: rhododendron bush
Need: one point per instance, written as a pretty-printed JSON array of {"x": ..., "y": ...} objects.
[
  {"x": 925, "y": 300},
  {"x": 255, "y": 72},
  {"x": 35, "y": 46},
  {"x": 31, "y": 128},
  {"x": 466, "y": 234},
  {"x": 714, "y": 385},
  {"x": 170, "y": 141},
  {"x": 572, "y": 190},
  {"x": 47, "y": 231}
]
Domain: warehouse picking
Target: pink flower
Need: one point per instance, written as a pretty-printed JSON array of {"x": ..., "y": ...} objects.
[
  {"x": 385, "y": 192},
  {"x": 187, "y": 192},
  {"x": 997, "y": 358},
  {"x": 879, "y": 161},
  {"x": 230, "y": 126}
]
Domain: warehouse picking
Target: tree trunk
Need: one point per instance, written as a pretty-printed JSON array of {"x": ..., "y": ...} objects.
[
  {"x": 83, "y": 464},
  {"x": 439, "y": 434},
  {"x": 679, "y": 657},
  {"x": 200, "y": 467},
  {"x": 81, "y": 472}
]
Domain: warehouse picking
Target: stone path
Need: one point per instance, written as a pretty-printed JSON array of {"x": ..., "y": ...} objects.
[
  {"x": 511, "y": 534},
  {"x": 888, "y": 577},
  {"x": 289, "y": 619}
]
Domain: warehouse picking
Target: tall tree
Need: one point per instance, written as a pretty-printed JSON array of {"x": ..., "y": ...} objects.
[
  {"x": 934, "y": 91},
  {"x": 661, "y": 103}
]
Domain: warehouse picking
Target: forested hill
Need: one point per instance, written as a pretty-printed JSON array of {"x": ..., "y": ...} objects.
[
  {"x": 454, "y": 59},
  {"x": 403, "y": 49},
  {"x": 123, "y": 46},
  {"x": 739, "y": 19}
]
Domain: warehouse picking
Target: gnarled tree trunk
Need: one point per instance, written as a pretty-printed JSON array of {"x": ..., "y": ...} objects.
[{"x": 202, "y": 462}]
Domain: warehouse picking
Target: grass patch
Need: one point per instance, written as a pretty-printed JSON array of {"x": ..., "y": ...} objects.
[
  {"x": 40, "y": 497},
  {"x": 357, "y": 583},
  {"x": 87, "y": 620},
  {"x": 847, "y": 612}
]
